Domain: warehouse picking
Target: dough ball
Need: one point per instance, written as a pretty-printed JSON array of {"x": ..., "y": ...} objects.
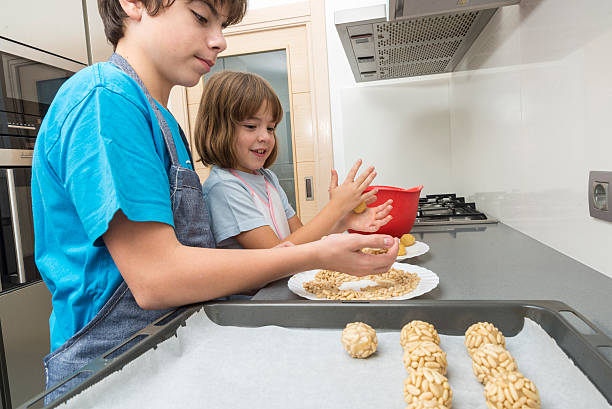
[
  {"x": 418, "y": 331},
  {"x": 426, "y": 404},
  {"x": 360, "y": 208},
  {"x": 407, "y": 240},
  {"x": 491, "y": 360},
  {"x": 426, "y": 384},
  {"x": 511, "y": 390},
  {"x": 369, "y": 250},
  {"x": 483, "y": 333},
  {"x": 359, "y": 339},
  {"x": 402, "y": 250},
  {"x": 425, "y": 354}
]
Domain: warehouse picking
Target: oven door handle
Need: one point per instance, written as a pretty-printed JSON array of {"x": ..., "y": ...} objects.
[{"x": 12, "y": 193}]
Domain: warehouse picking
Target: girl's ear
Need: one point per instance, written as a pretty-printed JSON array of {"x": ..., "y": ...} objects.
[{"x": 133, "y": 8}]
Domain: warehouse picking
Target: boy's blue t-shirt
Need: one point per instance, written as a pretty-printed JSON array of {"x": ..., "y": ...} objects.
[{"x": 100, "y": 149}]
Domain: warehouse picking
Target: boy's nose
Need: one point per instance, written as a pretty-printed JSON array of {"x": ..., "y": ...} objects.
[{"x": 216, "y": 41}]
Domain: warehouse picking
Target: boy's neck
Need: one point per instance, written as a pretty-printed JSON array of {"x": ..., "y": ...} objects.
[{"x": 152, "y": 79}]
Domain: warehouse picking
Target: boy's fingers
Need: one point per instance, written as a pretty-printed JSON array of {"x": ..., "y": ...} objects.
[{"x": 375, "y": 241}]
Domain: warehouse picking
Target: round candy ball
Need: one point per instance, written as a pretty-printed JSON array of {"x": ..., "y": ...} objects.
[
  {"x": 483, "y": 333},
  {"x": 426, "y": 384},
  {"x": 418, "y": 331},
  {"x": 491, "y": 360},
  {"x": 511, "y": 390},
  {"x": 359, "y": 339},
  {"x": 425, "y": 354}
]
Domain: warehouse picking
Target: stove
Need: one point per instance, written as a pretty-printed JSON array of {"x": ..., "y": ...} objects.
[{"x": 444, "y": 209}]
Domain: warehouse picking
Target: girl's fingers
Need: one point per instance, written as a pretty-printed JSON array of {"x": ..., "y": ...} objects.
[
  {"x": 384, "y": 212},
  {"x": 367, "y": 196},
  {"x": 351, "y": 175},
  {"x": 384, "y": 221},
  {"x": 364, "y": 175},
  {"x": 369, "y": 200},
  {"x": 333, "y": 183},
  {"x": 367, "y": 180}
]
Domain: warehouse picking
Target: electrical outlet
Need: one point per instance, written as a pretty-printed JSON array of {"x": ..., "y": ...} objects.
[{"x": 600, "y": 183}]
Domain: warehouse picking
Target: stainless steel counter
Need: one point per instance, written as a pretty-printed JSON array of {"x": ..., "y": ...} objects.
[{"x": 496, "y": 262}]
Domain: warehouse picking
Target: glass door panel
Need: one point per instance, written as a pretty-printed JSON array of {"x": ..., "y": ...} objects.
[{"x": 272, "y": 66}]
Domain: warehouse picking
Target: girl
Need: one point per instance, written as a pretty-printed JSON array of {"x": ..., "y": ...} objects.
[{"x": 235, "y": 132}]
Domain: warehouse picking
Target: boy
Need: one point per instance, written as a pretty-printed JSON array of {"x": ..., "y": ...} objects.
[{"x": 119, "y": 217}]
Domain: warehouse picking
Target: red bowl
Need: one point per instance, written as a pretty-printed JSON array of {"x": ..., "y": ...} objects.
[{"x": 405, "y": 205}]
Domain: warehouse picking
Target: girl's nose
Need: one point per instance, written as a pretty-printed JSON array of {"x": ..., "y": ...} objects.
[{"x": 263, "y": 135}]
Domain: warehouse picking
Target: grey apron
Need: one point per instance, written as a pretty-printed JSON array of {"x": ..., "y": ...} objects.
[{"x": 121, "y": 316}]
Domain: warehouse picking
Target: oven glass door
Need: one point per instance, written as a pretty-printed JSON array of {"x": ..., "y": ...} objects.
[
  {"x": 17, "y": 233},
  {"x": 27, "y": 88}
]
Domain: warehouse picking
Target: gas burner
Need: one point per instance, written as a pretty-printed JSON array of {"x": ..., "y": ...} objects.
[{"x": 448, "y": 209}]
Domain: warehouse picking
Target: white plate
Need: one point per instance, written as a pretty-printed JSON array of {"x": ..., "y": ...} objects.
[
  {"x": 429, "y": 281},
  {"x": 417, "y": 249}
]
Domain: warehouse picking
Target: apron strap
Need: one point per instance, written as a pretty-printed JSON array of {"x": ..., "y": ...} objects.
[
  {"x": 124, "y": 66},
  {"x": 268, "y": 204}
]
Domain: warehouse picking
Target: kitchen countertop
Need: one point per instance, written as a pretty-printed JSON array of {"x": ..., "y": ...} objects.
[{"x": 497, "y": 262}]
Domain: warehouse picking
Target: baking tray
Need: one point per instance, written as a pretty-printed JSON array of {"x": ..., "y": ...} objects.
[{"x": 449, "y": 317}]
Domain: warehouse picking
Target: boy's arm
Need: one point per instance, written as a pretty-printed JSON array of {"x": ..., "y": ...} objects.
[{"x": 162, "y": 273}]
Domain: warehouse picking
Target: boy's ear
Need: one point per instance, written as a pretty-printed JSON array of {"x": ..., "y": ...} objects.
[{"x": 133, "y": 8}]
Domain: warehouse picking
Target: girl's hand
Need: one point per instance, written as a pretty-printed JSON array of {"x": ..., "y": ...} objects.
[
  {"x": 370, "y": 220},
  {"x": 350, "y": 194},
  {"x": 342, "y": 252}
]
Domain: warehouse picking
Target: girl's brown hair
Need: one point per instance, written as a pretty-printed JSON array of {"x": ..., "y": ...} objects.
[
  {"x": 229, "y": 98},
  {"x": 113, "y": 15}
]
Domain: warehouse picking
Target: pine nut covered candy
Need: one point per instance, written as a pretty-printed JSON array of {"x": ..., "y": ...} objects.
[
  {"x": 511, "y": 390},
  {"x": 418, "y": 331},
  {"x": 426, "y": 404},
  {"x": 427, "y": 384},
  {"x": 483, "y": 333},
  {"x": 359, "y": 339},
  {"x": 491, "y": 360},
  {"x": 425, "y": 354}
]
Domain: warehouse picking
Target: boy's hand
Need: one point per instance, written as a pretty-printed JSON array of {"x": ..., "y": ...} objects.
[
  {"x": 342, "y": 252},
  {"x": 370, "y": 220},
  {"x": 350, "y": 194}
]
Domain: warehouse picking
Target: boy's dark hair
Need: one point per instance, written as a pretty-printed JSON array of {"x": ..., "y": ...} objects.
[
  {"x": 113, "y": 15},
  {"x": 228, "y": 98}
]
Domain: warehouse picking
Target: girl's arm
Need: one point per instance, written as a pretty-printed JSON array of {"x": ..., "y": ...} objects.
[
  {"x": 330, "y": 219},
  {"x": 162, "y": 273}
]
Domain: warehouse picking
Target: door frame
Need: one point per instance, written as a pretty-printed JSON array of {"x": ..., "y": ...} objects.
[{"x": 277, "y": 28}]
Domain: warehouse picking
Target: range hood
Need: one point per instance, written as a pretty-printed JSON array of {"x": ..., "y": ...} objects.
[{"x": 419, "y": 37}]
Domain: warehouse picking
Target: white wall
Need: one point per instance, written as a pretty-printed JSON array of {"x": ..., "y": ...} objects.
[
  {"x": 399, "y": 126},
  {"x": 530, "y": 117}
]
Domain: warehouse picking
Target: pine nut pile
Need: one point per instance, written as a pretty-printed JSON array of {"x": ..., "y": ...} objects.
[
  {"x": 393, "y": 283},
  {"x": 496, "y": 369}
]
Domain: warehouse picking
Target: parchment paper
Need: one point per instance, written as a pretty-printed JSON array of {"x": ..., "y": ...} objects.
[{"x": 212, "y": 366}]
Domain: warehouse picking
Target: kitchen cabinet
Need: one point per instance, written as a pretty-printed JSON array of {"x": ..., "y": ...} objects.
[
  {"x": 24, "y": 316},
  {"x": 56, "y": 27}
]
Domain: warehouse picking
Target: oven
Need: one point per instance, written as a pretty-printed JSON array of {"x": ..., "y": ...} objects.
[{"x": 29, "y": 79}]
